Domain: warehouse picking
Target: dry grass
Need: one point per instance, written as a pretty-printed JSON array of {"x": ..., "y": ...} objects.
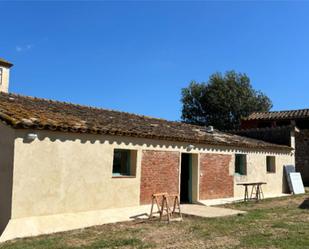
[{"x": 273, "y": 223}]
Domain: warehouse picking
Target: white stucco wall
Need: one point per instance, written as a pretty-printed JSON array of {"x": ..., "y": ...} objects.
[
  {"x": 256, "y": 172},
  {"x": 62, "y": 172},
  {"x": 68, "y": 175},
  {"x": 63, "y": 181}
]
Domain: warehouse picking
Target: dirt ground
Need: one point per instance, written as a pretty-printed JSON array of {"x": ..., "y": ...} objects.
[{"x": 272, "y": 223}]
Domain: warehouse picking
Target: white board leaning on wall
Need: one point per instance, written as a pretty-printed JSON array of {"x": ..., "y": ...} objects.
[
  {"x": 297, "y": 183},
  {"x": 294, "y": 180}
]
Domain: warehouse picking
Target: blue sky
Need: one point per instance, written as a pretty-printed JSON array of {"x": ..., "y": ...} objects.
[{"x": 136, "y": 56}]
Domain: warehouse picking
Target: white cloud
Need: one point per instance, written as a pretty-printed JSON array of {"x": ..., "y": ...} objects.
[
  {"x": 22, "y": 48},
  {"x": 29, "y": 46},
  {"x": 19, "y": 48}
]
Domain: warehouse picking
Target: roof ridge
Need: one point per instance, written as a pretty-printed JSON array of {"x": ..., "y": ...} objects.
[{"x": 280, "y": 111}]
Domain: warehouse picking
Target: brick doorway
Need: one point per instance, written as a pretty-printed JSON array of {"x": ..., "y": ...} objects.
[{"x": 186, "y": 178}]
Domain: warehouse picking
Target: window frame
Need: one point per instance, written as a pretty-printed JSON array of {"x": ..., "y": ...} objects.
[
  {"x": 243, "y": 164},
  {"x": 130, "y": 164},
  {"x": 273, "y": 167}
]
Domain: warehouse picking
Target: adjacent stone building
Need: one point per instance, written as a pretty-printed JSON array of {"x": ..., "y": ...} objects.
[{"x": 283, "y": 127}]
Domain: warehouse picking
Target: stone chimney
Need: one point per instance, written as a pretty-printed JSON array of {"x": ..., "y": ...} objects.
[{"x": 4, "y": 75}]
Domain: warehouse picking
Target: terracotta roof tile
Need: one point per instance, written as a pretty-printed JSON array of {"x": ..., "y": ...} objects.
[
  {"x": 276, "y": 115},
  {"x": 23, "y": 112}
]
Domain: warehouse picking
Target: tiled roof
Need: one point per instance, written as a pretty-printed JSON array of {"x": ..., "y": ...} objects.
[
  {"x": 292, "y": 114},
  {"x": 5, "y": 63},
  {"x": 23, "y": 112}
]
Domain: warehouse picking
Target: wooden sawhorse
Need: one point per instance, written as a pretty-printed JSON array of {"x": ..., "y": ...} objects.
[{"x": 164, "y": 208}]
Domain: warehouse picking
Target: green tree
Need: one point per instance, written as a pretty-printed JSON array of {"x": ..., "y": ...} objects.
[{"x": 222, "y": 101}]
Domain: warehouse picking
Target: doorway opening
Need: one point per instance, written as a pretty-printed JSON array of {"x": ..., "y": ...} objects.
[{"x": 186, "y": 178}]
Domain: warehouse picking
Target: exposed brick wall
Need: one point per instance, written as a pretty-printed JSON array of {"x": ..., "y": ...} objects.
[
  {"x": 159, "y": 173},
  {"x": 215, "y": 181},
  {"x": 302, "y": 154}
]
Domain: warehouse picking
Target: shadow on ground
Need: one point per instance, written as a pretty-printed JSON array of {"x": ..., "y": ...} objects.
[{"x": 305, "y": 204}]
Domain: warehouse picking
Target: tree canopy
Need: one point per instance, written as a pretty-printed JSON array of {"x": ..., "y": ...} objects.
[{"x": 222, "y": 101}]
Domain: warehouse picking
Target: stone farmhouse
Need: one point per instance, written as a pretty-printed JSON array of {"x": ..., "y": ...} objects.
[{"x": 60, "y": 158}]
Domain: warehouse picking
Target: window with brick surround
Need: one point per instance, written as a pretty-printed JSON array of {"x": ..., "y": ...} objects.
[
  {"x": 124, "y": 163},
  {"x": 241, "y": 164},
  {"x": 271, "y": 164}
]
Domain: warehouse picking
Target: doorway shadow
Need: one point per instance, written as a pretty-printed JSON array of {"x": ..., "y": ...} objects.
[{"x": 185, "y": 182}]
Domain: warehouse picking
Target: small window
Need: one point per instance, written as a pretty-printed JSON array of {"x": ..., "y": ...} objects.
[
  {"x": 271, "y": 164},
  {"x": 124, "y": 162},
  {"x": 241, "y": 164},
  {"x": 1, "y": 76}
]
